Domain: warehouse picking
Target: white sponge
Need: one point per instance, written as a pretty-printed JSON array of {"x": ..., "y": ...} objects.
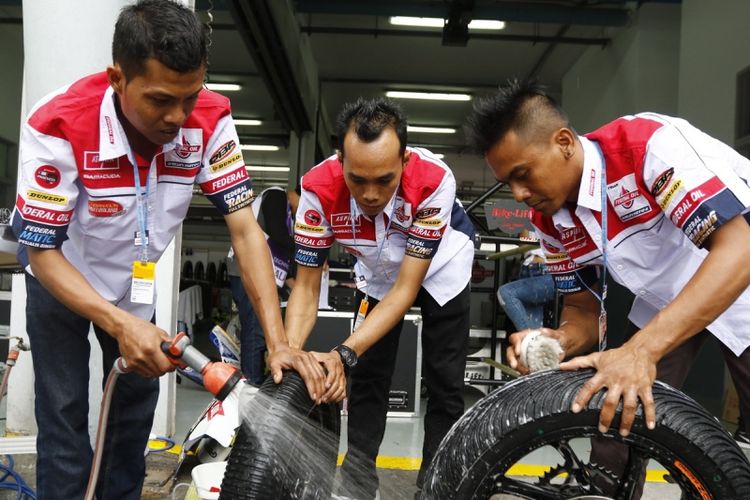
[{"x": 539, "y": 352}]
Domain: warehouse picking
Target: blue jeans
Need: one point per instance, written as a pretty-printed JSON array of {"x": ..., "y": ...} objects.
[
  {"x": 60, "y": 350},
  {"x": 252, "y": 341},
  {"x": 524, "y": 300}
]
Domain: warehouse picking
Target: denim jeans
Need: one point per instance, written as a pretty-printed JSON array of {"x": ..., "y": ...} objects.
[
  {"x": 525, "y": 298},
  {"x": 252, "y": 341},
  {"x": 60, "y": 350}
]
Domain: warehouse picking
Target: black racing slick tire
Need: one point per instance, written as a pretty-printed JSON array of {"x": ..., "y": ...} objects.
[
  {"x": 533, "y": 412},
  {"x": 267, "y": 461}
]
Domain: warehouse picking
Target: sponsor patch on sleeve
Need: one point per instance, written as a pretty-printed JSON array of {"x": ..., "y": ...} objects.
[
  {"x": 310, "y": 257},
  {"x": 229, "y": 192},
  {"x": 47, "y": 176},
  {"x": 704, "y": 209},
  {"x": 55, "y": 199},
  {"x": 222, "y": 152},
  {"x": 228, "y": 162}
]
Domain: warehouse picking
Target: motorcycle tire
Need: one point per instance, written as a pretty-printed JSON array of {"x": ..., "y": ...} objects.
[
  {"x": 259, "y": 469},
  {"x": 534, "y": 411}
]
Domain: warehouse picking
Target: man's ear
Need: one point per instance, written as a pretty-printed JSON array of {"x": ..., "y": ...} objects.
[
  {"x": 116, "y": 78},
  {"x": 565, "y": 139},
  {"x": 405, "y": 159}
]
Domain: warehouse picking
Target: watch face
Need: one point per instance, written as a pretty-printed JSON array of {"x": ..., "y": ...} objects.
[{"x": 347, "y": 356}]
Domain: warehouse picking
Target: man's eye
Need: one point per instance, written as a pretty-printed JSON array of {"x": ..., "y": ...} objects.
[
  {"x": 522, "y": 175},
  {"x": 159, "y": 101}
]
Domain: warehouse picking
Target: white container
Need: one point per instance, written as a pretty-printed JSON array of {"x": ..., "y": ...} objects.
[{"x": 207, "y": 479}]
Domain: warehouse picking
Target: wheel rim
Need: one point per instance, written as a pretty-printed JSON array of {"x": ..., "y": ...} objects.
[{"x": 576, "y": 477}]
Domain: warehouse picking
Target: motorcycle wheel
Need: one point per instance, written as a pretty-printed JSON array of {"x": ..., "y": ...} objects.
[
  {"x": 533, "y": 412},
  {"x": 259, "y": 465}
]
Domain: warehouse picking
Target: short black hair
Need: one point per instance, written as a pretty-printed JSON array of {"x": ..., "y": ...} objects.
[
  {"x": 368, "y": 118},
  {"x": 520, "y": 105},
  {"x": 162, "y": 29}
]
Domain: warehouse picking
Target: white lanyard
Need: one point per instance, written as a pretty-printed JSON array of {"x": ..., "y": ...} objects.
[
  {"x": 601, "y": 298},
  {"x": 142, "y": 207},
  {"x": 382, "y": 242}
]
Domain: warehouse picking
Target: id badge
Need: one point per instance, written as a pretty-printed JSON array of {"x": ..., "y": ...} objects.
[
  {"x": 361, "y": 282},
  {"x": 602, "y": 330},
  {"x": 143, "y": 283},
  {"x": 137, "y": 239},
  {"x": 361, "y": 314}
]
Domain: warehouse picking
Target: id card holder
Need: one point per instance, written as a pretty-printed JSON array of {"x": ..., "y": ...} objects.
[
  {"x": 360, "y": 282},
  {"x": 602, "y": 330},
  {"x": 361, "y": 314},
  {"x": 143, "y": 283}
]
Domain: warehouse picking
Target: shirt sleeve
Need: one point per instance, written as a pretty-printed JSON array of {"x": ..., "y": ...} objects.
[
  {"x": 694, "y": 179},
  {"x": 431, "y": 218},
  {"x": 313, "y": 236},
  {"x": 569, "y": 276},
  {"x": 223, "y": 177},
  {"x": 47, "y": 190}
]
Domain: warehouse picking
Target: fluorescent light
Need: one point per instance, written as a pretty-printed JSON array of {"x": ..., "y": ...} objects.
[
  {"x": 425, "y": 22},
  {"x": 436, "y": 22},
  {"x": 247, "y": 122},
  {"x": 439, "y": 156},
  {"x": 434, "y": 96},
  {"x": 259, "y": 147},
  {"x": 486, "y": 24},
  {"x": 430, "y": 130},
  {"x": 224, "y": 87},
  {"x": 263, "y": 168}
]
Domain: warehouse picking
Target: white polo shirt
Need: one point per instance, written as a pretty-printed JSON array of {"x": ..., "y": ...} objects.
[{"x": 669, "y": 186}]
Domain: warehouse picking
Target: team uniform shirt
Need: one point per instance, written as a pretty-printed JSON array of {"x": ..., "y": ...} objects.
[
  {"x": 77, "y": 187},
  {"x": 423, "y": 219},
  {"x": 669, "y": 186}
]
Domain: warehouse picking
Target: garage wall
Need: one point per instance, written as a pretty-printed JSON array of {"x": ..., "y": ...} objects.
[
  {"x": 11, "y": 78},
  {"x": 714, "y": 47},
  {"x": 637, "y": 72}
]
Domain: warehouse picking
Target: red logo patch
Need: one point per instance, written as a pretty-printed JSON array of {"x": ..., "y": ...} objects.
[
  {"x": 105, "y": 208},
  {"x": 313, "y": 218},
  {"x": 47, "y": 176},
  {"x": 187, "y": 149}
]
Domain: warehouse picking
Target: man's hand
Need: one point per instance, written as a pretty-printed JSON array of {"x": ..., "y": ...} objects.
[
  {"x": 140, "y": 344},
  {"x": 628, "y": 375},
  {"x": 513, "y": 352},
  {"x": 303, "y": 363},
  {"x": 336, "y": 377}
]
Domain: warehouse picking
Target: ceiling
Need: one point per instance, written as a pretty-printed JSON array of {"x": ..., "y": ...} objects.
[{"x": 359, "y": 53}]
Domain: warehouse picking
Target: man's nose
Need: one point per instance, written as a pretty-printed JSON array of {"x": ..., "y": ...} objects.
[
  {"x": 176, "y": 116},
  {"x": 520, "y": 193},
  {"x": 371, "y": 194}
]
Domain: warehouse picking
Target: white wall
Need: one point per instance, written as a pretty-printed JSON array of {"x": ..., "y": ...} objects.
[
  {"x": 637, "y": 72},
  {"x": 714, "y": 41}
]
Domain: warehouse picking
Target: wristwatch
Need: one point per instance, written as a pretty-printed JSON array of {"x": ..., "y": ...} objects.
[{"x": 348, "y": 357}]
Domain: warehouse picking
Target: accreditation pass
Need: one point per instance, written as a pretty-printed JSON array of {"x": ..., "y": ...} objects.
[{"x": 142, "y": 286}]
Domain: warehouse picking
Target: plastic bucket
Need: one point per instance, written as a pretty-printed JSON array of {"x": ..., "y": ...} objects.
[{"x": 207, "y": 479}]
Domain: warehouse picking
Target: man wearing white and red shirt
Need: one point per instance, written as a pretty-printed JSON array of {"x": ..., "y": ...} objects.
[
  {"x": 395, "y": 209},
  {"x": 675, "y": 201},
  {"x": 107, "y": 172}
]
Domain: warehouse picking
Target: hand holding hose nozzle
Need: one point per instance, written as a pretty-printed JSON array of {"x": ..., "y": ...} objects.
[{"x": 218, "y": 378}]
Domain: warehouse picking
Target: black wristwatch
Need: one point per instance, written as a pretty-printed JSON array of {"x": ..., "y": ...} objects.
[{"x": 348, "y": 357}]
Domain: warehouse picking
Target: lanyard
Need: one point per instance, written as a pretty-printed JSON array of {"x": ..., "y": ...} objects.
[
  {"x": 382, "y": 242},
  {"x": 601, "y": 298},
  {"x": 141, "y": 198}
]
